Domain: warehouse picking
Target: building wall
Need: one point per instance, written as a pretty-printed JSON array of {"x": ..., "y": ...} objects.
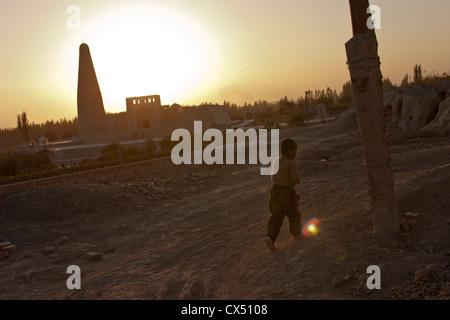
[
  {"x": 145, "y": 118},
  {"x": 91, "y": 123},
  {"x": 143, "y": 113},
  {"x": 117, "y": 121}
]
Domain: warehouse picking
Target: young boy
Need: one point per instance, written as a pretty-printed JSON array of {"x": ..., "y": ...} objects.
[{"x": 283, "y": 199}]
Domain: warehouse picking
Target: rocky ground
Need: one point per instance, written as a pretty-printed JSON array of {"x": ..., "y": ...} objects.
[{"x": 199, "y": 234}]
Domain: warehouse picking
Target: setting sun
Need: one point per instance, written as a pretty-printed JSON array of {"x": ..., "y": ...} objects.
[{"x": 138, "y": 51}]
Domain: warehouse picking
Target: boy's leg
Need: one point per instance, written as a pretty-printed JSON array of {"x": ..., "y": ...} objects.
[
  {"x": 276, "y": 217},
  {"x": 293, "y": 213},
  {"x": 295, "y": 223}
]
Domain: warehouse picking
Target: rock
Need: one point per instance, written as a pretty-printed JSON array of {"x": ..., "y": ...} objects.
[
  {"x": 93, "y": 255},
  {"x": 49, "y": 249},
  {"x": 61, "y": 241},
  {"x": 123, "y": 227},
  {"x": 412, "y": 214},
  {"x": 434, "y": 268},
  {"x": 421, "y": 275},
  {"x": 441, "y": 123},
  {"x": 388, "y": 97},
  {"x": 397, "y": 106},
  {"x": 4, "y": 244},
  {"x": 338, "y": 281},
  {"x": 9, "y": 248},
  {"x": 419, "y": 106},
  {"x": 28, "y": 276},
  {"x": 346, "y": 121},
  {"x": 4, "y": 254}
]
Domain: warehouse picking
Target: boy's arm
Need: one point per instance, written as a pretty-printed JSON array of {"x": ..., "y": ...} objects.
[{"x": 294, "y": 174}]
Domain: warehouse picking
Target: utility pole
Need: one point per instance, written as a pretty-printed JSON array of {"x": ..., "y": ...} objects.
[
  {"x": 118, "y": 143},
  {"x": 364, "y": 66}
]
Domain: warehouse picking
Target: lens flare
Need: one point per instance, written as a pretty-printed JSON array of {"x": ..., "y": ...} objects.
[{"x": 311, "y": 227}]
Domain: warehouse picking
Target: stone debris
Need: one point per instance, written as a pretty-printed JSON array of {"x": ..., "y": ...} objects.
[
  {"x": 91, "y": 255},
  {"x": 338, "y": 281},
  {"x": 62, "y": 240},
  {"x": 4, "y": 254},
  {"x": 411, "y": 214},
  {"x": 28, "y": 276},
  {"x": 429, "y": 283},
  {"x": 6, "y": 247},
  {"x": 4, "y": 244},
  {"x": 9, "y": 248},
  {"x": 49, "y": 249}
]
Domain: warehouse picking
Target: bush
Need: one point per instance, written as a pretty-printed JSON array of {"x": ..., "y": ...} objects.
[
  {"x": 8, "y": 164},
  {"x": 167, "y": 144},
  {"x": 297, "y": 118},
  {"x": 12, "y": 164}
]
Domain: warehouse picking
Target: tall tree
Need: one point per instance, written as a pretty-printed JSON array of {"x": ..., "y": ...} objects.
[
  {"x": 418, "y": 73},
  {"x": 25, "y": 126},
  {"x": 405, "y": 81}
]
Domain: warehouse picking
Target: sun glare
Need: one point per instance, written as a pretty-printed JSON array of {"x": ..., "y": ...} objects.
[{"x": 143, "y": 51}]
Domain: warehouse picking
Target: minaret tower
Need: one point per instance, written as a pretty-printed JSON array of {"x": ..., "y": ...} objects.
[{"x": 91, "y": 112}]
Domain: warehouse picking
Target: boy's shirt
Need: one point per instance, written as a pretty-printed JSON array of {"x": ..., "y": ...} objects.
[{"x": 287, "y": 173}]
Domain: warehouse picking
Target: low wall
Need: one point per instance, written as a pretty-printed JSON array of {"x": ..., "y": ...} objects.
[{"x": 138, "y": 170}]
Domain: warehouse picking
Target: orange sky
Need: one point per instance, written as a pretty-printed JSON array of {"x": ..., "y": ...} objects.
[{"x": 191, "y": 51}]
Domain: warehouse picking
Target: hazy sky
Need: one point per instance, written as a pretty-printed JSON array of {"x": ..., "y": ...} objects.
[{"x": 191, "y": 51}]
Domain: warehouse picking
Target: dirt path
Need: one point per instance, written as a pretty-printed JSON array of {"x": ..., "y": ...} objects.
[{"x": 199, "y": 235}]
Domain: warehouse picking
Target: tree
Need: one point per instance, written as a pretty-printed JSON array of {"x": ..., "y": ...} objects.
[
  {"x": 23, "y": 126},
  {"x": 418, "y": 73},
  {"x": 347, "y": 93},
  {"x": 387, "y": 83},
  {"x": 19, "y": 123},
  {"x": 405, "y": 81}
]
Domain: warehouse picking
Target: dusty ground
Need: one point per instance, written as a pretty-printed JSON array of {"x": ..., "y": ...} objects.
[{"x": 199, "y": 235}]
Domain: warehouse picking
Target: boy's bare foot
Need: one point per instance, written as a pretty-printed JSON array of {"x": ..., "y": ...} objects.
[{"x": 269, "y": 243}]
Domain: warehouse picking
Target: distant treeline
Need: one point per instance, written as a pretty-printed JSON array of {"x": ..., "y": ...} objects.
[{"x": 51, "y": 129}]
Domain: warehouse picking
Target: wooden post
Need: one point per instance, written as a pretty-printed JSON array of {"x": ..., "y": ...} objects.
[{"x": 364, "y": 66}]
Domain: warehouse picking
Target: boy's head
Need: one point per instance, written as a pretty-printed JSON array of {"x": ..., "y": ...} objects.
[{"x": 288, "y": 148}]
